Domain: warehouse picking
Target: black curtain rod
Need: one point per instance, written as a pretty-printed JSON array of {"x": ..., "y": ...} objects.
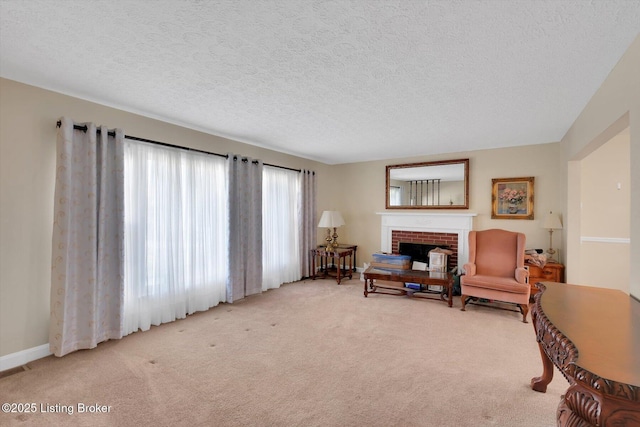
[{"x": 84, "y": 128}]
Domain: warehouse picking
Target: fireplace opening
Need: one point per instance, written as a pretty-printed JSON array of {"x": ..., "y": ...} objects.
[
  {"x": 420, "y": 251},
  {"x": 433, "y": 239}
]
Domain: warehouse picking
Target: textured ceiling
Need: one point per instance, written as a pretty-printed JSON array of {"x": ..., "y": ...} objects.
[{"x": 331, "y": 80}]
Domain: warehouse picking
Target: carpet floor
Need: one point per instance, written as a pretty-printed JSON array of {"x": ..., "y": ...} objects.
[{"x": 311, "y": 353}]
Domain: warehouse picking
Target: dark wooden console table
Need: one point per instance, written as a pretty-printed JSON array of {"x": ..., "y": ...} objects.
[
  {"x": 593, "y": 336},
  {"x": 399, "y": 277}
]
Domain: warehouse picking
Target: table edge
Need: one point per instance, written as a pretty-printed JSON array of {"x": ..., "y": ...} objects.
[{"x": 564, "y": 355}]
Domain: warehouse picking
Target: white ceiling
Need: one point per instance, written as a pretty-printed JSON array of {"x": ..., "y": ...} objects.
[{"x": 331, "y": 80}]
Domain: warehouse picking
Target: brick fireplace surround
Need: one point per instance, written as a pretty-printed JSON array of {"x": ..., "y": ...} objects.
[{"x": 451, "y": 229}]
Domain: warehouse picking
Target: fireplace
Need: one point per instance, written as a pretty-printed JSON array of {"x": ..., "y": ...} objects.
[{"x": 449, "y": 229}]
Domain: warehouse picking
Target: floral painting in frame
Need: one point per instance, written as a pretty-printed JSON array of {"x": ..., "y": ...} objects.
[{"x": 512, "y": 198}]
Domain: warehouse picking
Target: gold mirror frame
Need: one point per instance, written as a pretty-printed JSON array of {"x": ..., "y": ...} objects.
[{"x": 435, "y": 197}]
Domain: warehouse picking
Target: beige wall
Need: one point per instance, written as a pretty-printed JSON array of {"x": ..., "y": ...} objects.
[
  {"x": 605, "y": 189},
  {"x": 27, "y": 161},
  {"x": 364, "y": 192},
  {"x": 614, "y": 107},
  {"x": 605, "y": 199}
]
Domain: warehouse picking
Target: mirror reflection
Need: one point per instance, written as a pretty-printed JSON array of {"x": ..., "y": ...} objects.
[{"x": 428, "y": 185}]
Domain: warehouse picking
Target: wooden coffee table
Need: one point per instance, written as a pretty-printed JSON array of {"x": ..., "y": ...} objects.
[{"x": 400, "y": 277}]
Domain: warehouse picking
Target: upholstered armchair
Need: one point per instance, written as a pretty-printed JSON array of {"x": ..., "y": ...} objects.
[{"x": 495, "y": 270}]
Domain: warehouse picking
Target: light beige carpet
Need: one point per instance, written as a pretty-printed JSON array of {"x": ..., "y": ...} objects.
[{"x": 311, "y": 353}]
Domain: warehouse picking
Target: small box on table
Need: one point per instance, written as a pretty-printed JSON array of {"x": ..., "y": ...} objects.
[{"x": 438, "y": 259}]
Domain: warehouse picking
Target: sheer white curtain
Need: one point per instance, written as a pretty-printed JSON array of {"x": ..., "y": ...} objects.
[
  {"x": 87, "y": 251},
  {"x": 175, "y": 234},
  {"x": 280, "y": 231}
]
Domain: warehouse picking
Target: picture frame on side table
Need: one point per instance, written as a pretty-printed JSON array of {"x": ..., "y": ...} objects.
[{"x": 512, "y": 198}]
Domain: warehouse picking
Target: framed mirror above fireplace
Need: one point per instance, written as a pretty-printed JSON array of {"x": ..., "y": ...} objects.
[{"x": 428, "y": 185}]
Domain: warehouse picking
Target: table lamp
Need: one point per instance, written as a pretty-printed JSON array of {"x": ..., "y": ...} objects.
[
  {"x": 331, "y": 219},
  {"x": 552, "y": 222}
]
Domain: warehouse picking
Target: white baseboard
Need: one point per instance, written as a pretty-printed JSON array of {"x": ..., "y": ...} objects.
[{"x": 23, "y": 357}]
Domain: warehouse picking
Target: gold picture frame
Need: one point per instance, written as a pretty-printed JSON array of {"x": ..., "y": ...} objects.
[{"x": 512, "y": 198}]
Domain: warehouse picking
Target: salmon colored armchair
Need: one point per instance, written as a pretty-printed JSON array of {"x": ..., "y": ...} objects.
[{"x": 495, "y": 270}]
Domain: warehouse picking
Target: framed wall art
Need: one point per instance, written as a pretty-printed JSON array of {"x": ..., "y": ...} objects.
[{"x": 512, "y": 198}]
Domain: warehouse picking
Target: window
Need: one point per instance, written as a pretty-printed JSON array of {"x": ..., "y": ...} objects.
[
  {"x": 280, "y": 227},
  {"x": 175, "y": 234}
]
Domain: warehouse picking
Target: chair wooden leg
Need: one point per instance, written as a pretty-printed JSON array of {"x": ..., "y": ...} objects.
[
  {"x": 464, "y": 301},
  {"x": 525, "y": 309}
]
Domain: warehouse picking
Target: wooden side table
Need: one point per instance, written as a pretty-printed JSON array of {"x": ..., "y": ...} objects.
[
  {"x": 347, "y": 246},
  {"x": 551, "y": 272},
  {"x": 335, "y": 256}
]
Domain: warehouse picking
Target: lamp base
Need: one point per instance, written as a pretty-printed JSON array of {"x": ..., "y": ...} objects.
[
  {"x": 330, "y": 246},
  {"x": 335, "y": 239},
  {"x": 550, "y": 251}
]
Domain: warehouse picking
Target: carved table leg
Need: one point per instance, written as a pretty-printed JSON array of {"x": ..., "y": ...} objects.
[
  {"x": 540, "y": 383},
  {"x": 365, "y": 287}
]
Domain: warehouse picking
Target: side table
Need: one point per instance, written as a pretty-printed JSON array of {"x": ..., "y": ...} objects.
[
  {"x": 335, "y": 256},
  {"x": 347, "y": 246},
  {"x": 551, "y": 272}
]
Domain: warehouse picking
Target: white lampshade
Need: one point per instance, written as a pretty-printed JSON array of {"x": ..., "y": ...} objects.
[
  {"x": 552, "y": 222},
  {"x": 331, "y": 219}
]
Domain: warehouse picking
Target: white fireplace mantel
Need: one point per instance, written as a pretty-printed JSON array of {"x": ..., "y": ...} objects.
[{"x": 458, "y": 223}]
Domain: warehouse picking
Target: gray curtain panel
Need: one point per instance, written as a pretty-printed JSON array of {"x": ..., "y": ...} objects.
[
  {"x": 308, "y": 219},
  {"x": 245, "y": 227},
  {"x": 87, "y": 276}
]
